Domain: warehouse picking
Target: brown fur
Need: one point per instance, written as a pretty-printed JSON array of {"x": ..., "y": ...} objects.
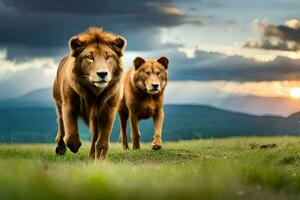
[
  {"x": 141, "y": 101},
  {"x": 79, "y": 90}
]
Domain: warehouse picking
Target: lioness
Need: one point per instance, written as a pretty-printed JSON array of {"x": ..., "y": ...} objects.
[
  {"x": 88, "y": 84},
  {"x": 144, "y": 86}
]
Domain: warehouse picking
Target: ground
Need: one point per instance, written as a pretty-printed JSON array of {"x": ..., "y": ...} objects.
[{"x": 199, "y": 169}]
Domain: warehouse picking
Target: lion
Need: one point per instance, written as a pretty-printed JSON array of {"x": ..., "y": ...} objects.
[
  {"x": 143, "y": 97},
  {"x": 88, "y": 85}
]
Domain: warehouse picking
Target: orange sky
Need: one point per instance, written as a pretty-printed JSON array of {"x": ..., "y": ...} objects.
[{"x": 265, "y": 88}]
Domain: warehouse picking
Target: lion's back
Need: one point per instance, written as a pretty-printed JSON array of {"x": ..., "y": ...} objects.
[{"x": 57, "y": 80}]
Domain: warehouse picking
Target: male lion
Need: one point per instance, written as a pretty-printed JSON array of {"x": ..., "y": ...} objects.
[
  {"x": 88, "y": 84},
  {"x": 144, "y": 86}
]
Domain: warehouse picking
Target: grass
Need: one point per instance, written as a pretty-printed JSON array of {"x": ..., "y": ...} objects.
[{"x": 199, "y": 169}]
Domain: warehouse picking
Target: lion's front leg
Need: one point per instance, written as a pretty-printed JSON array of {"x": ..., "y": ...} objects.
[
  {"x": 94, "y": 131},
  {"x": 158, "y": 120},
  {"x": 135, "y": 133},
  {"x": 70, "y": 116},
  {"x": 93, "y": 145},
  {"x": 105, "y": 128},
  {"x": 60, "y": 144}
]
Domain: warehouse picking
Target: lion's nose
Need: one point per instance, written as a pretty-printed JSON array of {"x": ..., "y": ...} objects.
[
  {"x": 155, "y": 86},
  {"x": 102, "y": 75}
]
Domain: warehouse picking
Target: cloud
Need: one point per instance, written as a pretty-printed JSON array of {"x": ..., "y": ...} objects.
[
  {"x": 43, "y": 28},
  {"x": 10, "y": 67},
  {"x": 277, "y": 37},
  {"x": 210, "y": 66},
  {"x": 293, "y": 23},
  {"x": 93, "y": 7},
  {"x": 268, "y": 44},
  {"x": 18, "y": 78}
]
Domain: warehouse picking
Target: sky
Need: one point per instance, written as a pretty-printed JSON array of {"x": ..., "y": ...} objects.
[{"x": 219, "y": 50}]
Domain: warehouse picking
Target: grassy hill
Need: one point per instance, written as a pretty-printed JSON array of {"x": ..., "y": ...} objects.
[{"x": 199, "y": 169}]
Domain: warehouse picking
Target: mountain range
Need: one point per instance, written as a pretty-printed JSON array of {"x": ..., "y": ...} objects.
[
  {"x": 32, "y": 118},
  {"x": 254, "y": 105}
]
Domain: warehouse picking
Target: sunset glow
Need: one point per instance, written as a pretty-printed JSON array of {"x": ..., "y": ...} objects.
[
  {"x": 295, "y": 93},
  {"x": 272, "y": 89}
]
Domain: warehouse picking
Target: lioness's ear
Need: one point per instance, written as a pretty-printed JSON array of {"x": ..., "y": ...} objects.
[
  {"x": 138, "y": 61},
  {"x": 164, "y": 61},
  {"x": 76, "y": 46},
  {"x": 120, "y": 43}
]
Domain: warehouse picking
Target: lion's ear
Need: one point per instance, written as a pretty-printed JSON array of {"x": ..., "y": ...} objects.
[
  {"x": 164, "y": 62},
  {"x": 76, "y": 46},
  {"x": 120, "y": 43},
  {"x": 138, "y": 61}
]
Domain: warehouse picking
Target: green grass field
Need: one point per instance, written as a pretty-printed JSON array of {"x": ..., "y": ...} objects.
[{"x": 200, "y": 169}]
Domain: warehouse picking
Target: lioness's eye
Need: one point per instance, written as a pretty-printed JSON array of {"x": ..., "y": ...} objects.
[
  {"x": 157, "y": 73},
  {"x": 148, "y": 73}
]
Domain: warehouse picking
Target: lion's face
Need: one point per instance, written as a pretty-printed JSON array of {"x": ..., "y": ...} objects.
[
  {"x": 98, "y": 57},
  {"x": 98, "y": 63},
  {"x": 151, "y": 76}
]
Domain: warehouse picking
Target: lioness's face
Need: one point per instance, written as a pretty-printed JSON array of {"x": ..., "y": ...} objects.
[
  {"x": 151, "y": 76},
  {"x": 97, "y": 64}
]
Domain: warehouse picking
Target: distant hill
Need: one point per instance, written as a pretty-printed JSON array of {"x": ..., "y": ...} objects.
[
  {"x": 246, "y": 104},
  {"x": 37, "y": 98},
  {"x": 182, "y": 122},
  {"x": 259, "y": 105}
]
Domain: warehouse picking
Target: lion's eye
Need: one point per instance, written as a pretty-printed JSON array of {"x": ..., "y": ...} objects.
[
  {"x": 148, "y": 73},
  {"x": 157, "y": 73},
  {"x": 90, "y": 58},
  {"x": 108, "y": 57}
]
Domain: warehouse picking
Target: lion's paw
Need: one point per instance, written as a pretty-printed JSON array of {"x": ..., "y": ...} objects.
[
  {"x": 60, "y": 150},
  {"x": 73, "y": 143},
  {"x": 156, "y": 147}
]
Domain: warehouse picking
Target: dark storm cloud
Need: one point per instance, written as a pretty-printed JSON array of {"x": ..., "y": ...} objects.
[
  {"x": 283, "y": 32},
  {"x": 41, "y": 27},
  {"x": 91, "y": 7},
  {"x": 268, "y": 44},
  {"x": 214, "y": 66},
  {"x": 277, "y": 37}
]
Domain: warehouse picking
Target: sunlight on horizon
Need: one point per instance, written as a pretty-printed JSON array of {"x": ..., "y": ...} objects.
[
  {"x": 295, "y": 92},
  {"x": 271, "y": 89}
]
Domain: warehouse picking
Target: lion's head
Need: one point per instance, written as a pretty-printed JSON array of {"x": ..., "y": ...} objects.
[
  {"x": 97, "y": 56},
  {"x": 151, "y": 75}
]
